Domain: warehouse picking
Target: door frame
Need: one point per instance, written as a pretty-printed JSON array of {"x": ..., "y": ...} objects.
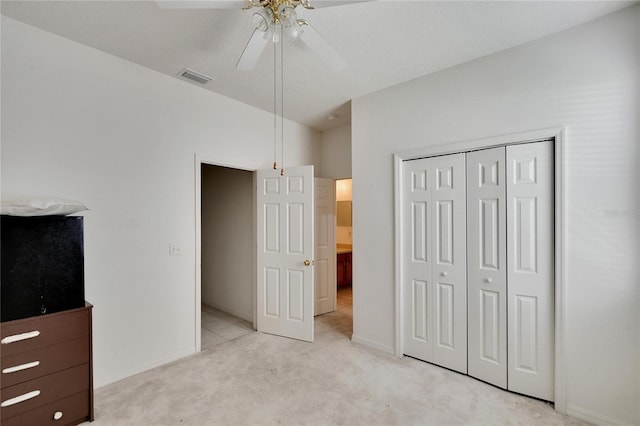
[
  {"x": 198, "y": 162},
  {"x": 559, "y": 138}
]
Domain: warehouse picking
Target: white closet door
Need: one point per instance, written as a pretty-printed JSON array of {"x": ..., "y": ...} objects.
[
  {"x": 487, "y": 269},
  {"x": 449, "y": 269},
  {"x": 417, "y": 284},
  {"x": 434, "y": 286},
  {"x": 530, "y": 269}
]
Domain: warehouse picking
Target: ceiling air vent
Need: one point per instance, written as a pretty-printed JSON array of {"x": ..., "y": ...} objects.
[{"x": 195, "y": 76}]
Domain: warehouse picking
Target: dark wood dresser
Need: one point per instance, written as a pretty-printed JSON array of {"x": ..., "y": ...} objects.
[{"x": 47, "y": 369}]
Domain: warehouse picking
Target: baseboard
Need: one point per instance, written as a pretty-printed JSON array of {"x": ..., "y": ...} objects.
[
  {"x": 99, "y": 382},
  {"x": 593, "y": 417},
  {"x": 370, "y": 343}
]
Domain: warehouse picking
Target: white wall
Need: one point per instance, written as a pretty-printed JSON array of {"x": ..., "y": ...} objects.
[
  {"x": 586, "y": 79},
  {"x": 82, "y": 124},
  {"x": 335, "y": 162},
  {"x": 227, "y": 240},
  {"x": 335, "y": 153}
]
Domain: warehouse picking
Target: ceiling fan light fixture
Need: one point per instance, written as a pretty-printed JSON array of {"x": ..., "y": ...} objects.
[
  {"x": 294, "y": 32},
  {"x": 274, "y": 33},
  {"x": 276, "y": 20},
  {"x": 262, "y": 19},
  {"x": 287, "y": 15}
]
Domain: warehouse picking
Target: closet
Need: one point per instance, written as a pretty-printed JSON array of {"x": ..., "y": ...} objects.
[{"x": 477, "y": 292}]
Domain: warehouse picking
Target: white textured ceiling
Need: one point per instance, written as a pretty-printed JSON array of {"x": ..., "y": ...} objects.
[{"x": 385, "y": 43}]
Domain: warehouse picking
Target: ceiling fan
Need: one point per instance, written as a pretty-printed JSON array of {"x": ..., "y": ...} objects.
[{"x": 273, "y": 20}]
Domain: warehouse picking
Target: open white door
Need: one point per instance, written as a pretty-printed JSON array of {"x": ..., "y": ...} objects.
[
  {"x": 325, "y": 248},
  {"x": 285, "y": 293}
]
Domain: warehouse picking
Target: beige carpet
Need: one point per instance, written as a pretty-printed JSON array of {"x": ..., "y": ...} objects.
[{"x": 259, "y": 379}]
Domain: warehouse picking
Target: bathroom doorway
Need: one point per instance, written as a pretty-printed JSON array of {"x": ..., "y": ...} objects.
[{"x": 344, "y": 254}]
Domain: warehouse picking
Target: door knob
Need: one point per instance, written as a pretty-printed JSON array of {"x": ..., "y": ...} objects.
[
  {"x": 488, "y": 280},
  {"x": 444, "y": 274},
  {"x": 307, "y": 262}
]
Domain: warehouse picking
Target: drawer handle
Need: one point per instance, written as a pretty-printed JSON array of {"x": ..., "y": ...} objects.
[
  {"x": 57, "y": 415},
  {"x": 19, "y": 399},
  {"x": 20, "y": 367},
  {"x": 19, "y": 337}
]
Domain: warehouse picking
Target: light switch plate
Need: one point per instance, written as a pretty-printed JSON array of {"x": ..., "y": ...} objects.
[{"x": 175, "y": 249}]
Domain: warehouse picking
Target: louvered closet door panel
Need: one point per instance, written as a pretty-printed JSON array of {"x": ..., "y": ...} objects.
[
  {"x": 449, "y": 265},
  {"x": 530, "y": 269},
  {"x": 417, "y": 269},
  {"x": 487, "y": 269}
]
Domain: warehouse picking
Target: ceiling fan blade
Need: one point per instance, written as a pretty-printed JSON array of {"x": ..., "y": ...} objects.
[
  {"x": 318, "y": 4},
  {"x": 252, "y": 51},
  {"x": 239, "y": 4},
  {"x": 322, "y": 48},
  {"x": 201, "y": 4}
]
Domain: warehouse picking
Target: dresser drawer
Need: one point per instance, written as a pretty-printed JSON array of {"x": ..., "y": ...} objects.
[
  {"x": 73, "y": 409},
  {"x": 44, "y": 390},
  {"x": 42, "y": 331},
  {"x": 40, "y": 362},
  {"x": 13, "y": 421}
]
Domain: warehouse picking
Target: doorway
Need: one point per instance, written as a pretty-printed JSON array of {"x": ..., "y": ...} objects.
[
  {"x": 227, "y": 235},
  {"x": 218, "y": 192},
  {"x": 344, "y": 255}
]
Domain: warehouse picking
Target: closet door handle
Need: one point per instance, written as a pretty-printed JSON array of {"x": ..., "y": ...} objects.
[
  {"x": 444, "y": 274},
  {"x": 488, "y": 280}
]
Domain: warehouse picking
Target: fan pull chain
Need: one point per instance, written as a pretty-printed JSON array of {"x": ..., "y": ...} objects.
[
  {"x": 281, "y": 102},
  {"x": 275, "y": 111}
]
